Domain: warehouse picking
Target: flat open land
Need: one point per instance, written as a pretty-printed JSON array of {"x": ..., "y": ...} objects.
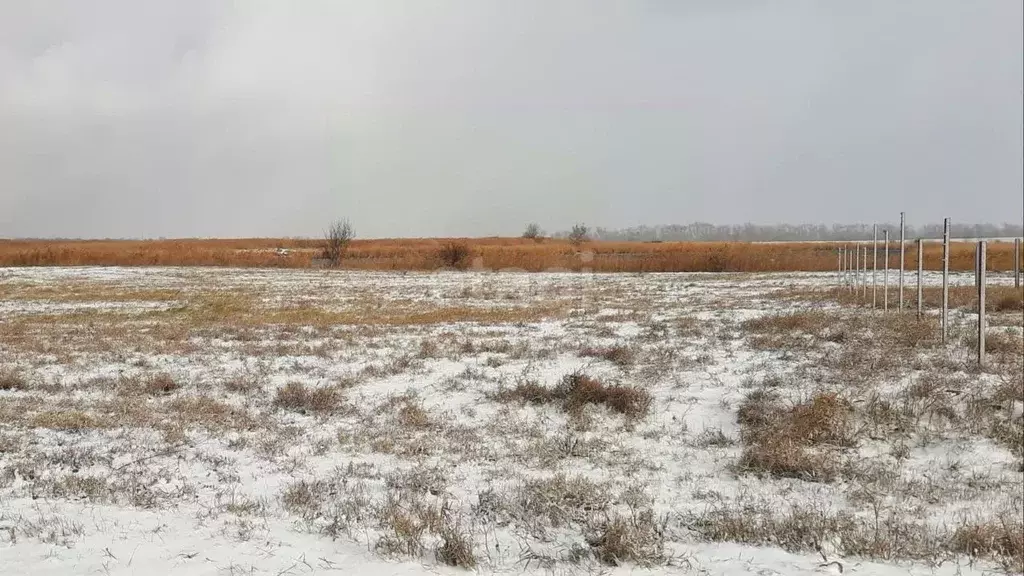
[{"x": 253, "y": 421}]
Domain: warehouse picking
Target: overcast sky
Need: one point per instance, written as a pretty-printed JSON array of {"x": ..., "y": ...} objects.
[{"x": 135, "y": 118}]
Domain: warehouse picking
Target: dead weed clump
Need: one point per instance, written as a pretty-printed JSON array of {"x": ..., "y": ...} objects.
[
  {"x": 456, "y": 547},
  {"x": 577, "y": 390},
  {"x": 639, "y": 539},
  {"x": 68, "y": 420},
  {"x": 887, "y": 537},
  {"x": 808, "y": 322},
  {"x": 161, "y": 384},
  {"x": 621, "y": 356},
  {"x": 11, "y": 379},
  {"x": 794, "y": 442},
  {"x": 1000, "y": 540},
  {"x": 297, "y": 397}
]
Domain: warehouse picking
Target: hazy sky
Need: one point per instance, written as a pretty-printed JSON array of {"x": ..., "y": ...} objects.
[{"x": 136, "y": 118}]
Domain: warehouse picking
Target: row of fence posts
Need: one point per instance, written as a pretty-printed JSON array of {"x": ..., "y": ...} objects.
[{"x": 853, "y": 275}]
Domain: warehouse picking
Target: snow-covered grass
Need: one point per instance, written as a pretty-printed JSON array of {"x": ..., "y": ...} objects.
[{"x": 218, "y": 421}]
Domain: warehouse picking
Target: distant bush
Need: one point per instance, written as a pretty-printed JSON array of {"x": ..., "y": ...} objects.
[{"x": 454, "y": 255}]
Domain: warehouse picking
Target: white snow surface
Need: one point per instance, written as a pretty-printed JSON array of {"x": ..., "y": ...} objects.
[{"x": 190, "y": 527}]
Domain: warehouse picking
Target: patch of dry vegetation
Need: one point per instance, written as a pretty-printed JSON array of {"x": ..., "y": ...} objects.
[
  {"x": 797, "y": 441},
  {"x": 577, "y": 390},
  {"x": 297, "y": 397},
  {"x": 12, "y": 379},
  {"x": 496, "y": 253},
  {"x": 622, "y": 356}
]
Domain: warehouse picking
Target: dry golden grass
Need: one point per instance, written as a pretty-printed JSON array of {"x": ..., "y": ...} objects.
[
  {"x": 70, "y": 420},
  {"x": 492, "y": 253}
]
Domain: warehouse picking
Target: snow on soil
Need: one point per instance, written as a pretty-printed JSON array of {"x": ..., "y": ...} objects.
[{"x": 212, "y": 500}]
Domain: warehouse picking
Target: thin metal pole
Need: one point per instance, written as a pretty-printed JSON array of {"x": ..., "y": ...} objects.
[
  {"x": 1016, "y": 262},
  {"x": 981, "y": 302},
  {"x": 849, "y": 274},
  {"x": 874, "y": 269},
  {"x": 853, "y": 266},
  {"x": 920, "y": 277},
  {"x": 842, "y": 264},
  {"x": 977, "y": 264},
  {"x": 885, "y": 275},
  {"x": 839, "y": 268},
  {"x": 864, "y": 267},
  {"x": 903, "y": 245},
  {"x": 945, "y": 279}
]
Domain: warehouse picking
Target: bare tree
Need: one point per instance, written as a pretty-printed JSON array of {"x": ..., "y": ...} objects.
[
  {"x": 580, "y": 234},
  {"x": 336, "y": 240},
  {"x": 533, "y": 231}
]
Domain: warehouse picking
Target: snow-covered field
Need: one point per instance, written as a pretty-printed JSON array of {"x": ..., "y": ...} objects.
[{"x": 214, "y": 421}]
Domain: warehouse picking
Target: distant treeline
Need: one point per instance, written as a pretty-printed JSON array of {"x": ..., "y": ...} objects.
[{"x": 701, "y": 231}]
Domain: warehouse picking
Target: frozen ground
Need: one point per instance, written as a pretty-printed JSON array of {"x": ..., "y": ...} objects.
[{"x": 211, "y": 421}]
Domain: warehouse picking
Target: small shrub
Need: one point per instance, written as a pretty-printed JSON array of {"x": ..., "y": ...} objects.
[
  {"x": 1007, "y": 299},
  {"x": 454, "y": 255},
  {"x": 533, "y": 232},
  {"x": 11, "y": 379},
  {"x": 456, "y": 548},
  {"x": 526, "y": 392},
  {"x": 775, "y": 324},
  {"x": 160, "y": 384},
  {"x": 336, "y": 240},
  {"x": 783, "y": 458},
  {"x": 70, "y": 420},
  {"x": 779, "y": 438},
  {"x": 639, "y": 539},
  {"x": 579, "y": 234},
  {"x": 412, "y": 415},
  {"x": 1002, "y": 540},
  {"x": 621, "y": 356},
  {"x": 296, "y": 397},
  {"x": 304, "y": 498},
  {"x": 577, "y": 390}
]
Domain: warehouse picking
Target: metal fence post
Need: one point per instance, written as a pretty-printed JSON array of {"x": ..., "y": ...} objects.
[
  {"x": 874, "y": 268},
  {"x": 1016, "y": 262},
  {"x": 945, "y": 279},
  {"x": 864, "y": 284},
  {"x": 981, "y": 302},
  {"x": 977, "y": 264},
  {"x": 885, "y": 276},
  {"x": 903, "y": 245},
  {"x": 920, "y": 277},
  {"x": 839, "y": 268}
]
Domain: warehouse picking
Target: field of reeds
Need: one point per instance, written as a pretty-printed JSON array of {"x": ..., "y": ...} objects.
[{"x": 480, "y": 253}]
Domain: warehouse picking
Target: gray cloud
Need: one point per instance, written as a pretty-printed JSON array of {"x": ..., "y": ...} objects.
[{"x": 144, "y": 119}]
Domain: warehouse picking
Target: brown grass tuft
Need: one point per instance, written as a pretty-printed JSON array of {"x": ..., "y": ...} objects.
[
  {"x": 1003, "y": 540},
  {"x": 161, "y": 384},
  {"x": 297, "y": 397},
  {"x": 11, "y": 379},
  {"x": 621, "y": 356},
  {"x": 780, "y": 439},
  {"x": 70, "y": 420},
  {"x": 577, "y": 390},
  {"x": 639, "y": 539}
]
